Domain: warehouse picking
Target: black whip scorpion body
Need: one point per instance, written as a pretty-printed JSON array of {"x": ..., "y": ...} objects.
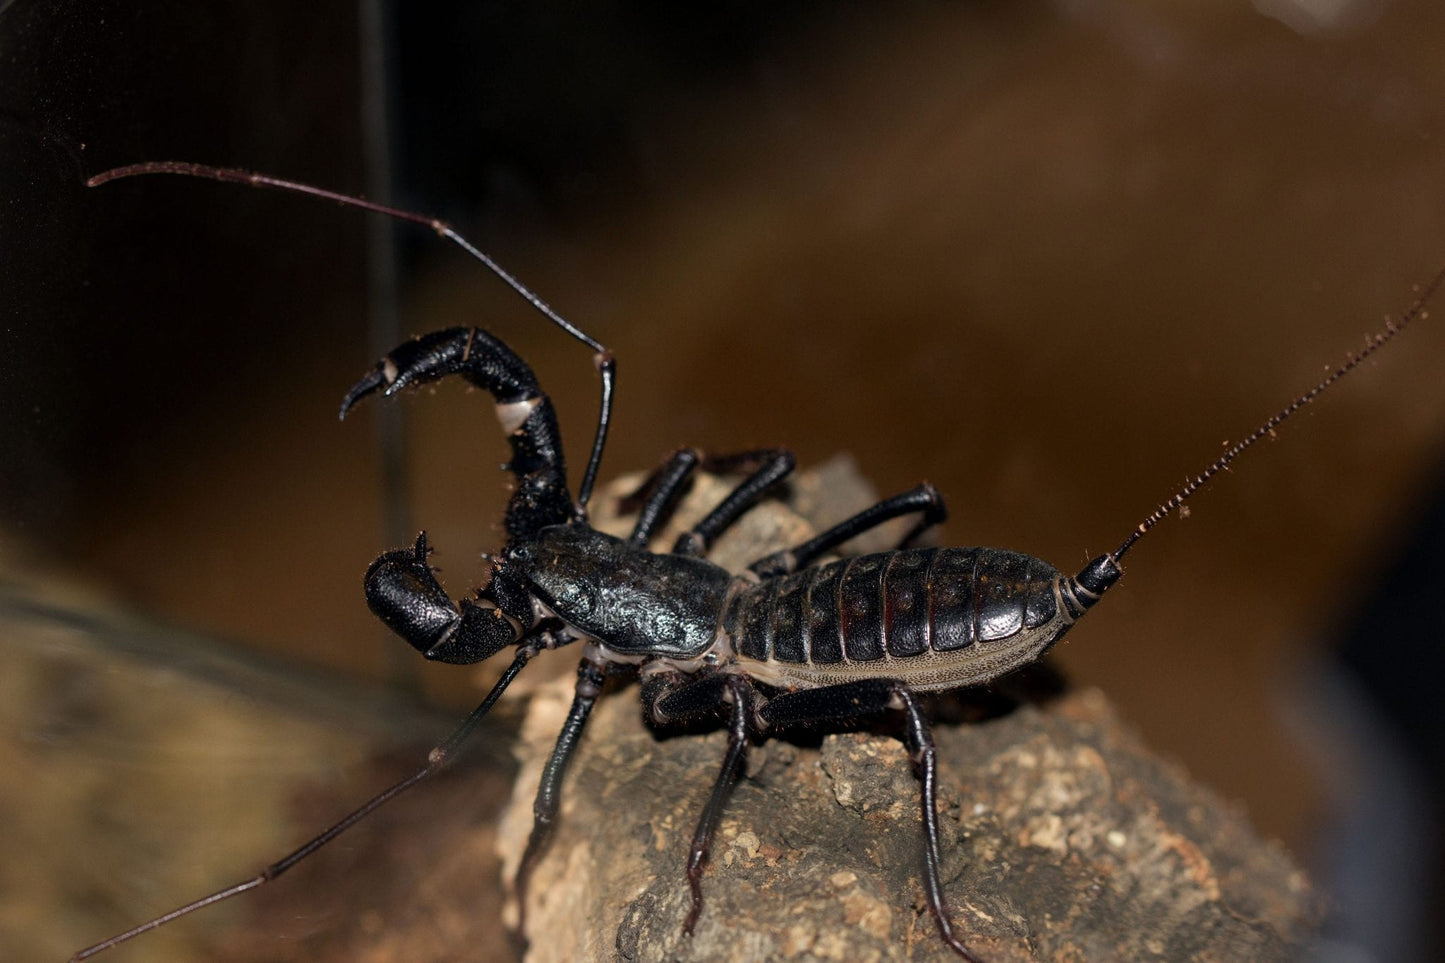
[{"x": 787, "y": 643}]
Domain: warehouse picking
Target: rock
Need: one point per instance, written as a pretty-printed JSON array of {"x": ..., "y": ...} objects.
[{"x": 1062, "y": 836}]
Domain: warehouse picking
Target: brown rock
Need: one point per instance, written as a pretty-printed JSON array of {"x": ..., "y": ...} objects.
[{"x": 1063, "y": 839}]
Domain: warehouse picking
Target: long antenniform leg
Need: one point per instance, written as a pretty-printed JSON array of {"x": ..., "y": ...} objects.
[
  {"x": 438, "y": 759},
  {"x": 602, "y": 357},
  {"x": 853, "y": 700}
]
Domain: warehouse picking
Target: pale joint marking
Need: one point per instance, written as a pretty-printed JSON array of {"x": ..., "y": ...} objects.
[{"x": 514, "y": 414}]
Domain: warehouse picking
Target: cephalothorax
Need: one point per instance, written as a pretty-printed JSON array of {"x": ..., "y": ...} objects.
[{"x": 787, "y": 643}]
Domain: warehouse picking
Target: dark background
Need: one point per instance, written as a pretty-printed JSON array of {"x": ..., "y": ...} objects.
[{"x": 1047, "y": 256}]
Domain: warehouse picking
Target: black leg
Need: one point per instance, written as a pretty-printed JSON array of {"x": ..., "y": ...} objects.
[
  {"x": 925, "y": 767},
  {"x": 669, "y": 697},
  {"x": 834, "y": 703},
  {"x": 854, "y": 700},
  {"x": 770, "y": 466},
  {"x": 672, "y": 702},
  {"x": 544, "y": 809},
  {"x": 925, "y": 498},
  {"x": 726, "y": 777},
  {"x": 661, "y": 491}
]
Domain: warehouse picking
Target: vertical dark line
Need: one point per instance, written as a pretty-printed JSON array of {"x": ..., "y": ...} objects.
[
  {"x": 805, "y": 624},
  {"x": 885, "y": 607},
  {"x": 774, "y": 608},
  {"x": 928, "y": 631},
  {"x": 808, "y": 615},
  {"x": 383, "y": 324},
  {"x": 976, "y": 589},
  {"x": 840, "y": 608}
]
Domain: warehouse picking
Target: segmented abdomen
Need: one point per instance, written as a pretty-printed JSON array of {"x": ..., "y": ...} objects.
[{"x": 894, "y": 605}]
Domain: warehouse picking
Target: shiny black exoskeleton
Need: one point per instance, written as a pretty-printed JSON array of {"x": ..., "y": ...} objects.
[{"x": 779, "y": 645}]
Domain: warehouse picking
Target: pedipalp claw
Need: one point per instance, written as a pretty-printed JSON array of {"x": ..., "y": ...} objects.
[
  {"x": 402, "y": 590},
  {"x": 374, "y": 380},
  {"x": 428, "y": 358}
]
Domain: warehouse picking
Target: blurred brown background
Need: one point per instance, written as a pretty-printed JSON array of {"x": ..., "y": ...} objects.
[{"x": 1047, "y": 256}]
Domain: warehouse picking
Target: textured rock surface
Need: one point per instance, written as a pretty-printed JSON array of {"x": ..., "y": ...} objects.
[{"x": 1063, "y": 838}]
